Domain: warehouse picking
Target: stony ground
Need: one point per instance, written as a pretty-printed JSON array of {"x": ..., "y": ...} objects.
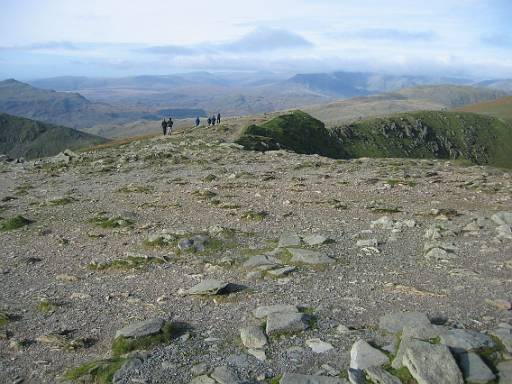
[{"x": 107, "y": 246}]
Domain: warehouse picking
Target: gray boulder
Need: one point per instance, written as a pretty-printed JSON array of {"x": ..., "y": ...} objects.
[
  {"x": 265, "y": 310},
  {"x": 142, "y": 328},
  {"x": 363, "y": 355},
  {"x": 462, "y": 340},
  {"x": 316, "y": 239},
  {"x": 432, "y": 364},
  {"x": 474, "y": 370},
  {"x": 287, "y": 323},
  {"x": 505, "y": 372},
  {"x": 289, "y": 239},
  {"x": 502, "y": 218},
  {"x": 306, "y": 256},
  {"x": 225, "y": 375},
  {"x": 505, "y": 336},
  {"x": 261, "y": 260},
  {"x": 253, "y": 337},
  {"x": 379, "y": 375}
]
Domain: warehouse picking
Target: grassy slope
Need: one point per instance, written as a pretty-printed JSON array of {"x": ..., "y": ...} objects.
[
  {"x": 21, "y": 137},
  {"x": 501, "y": 108},
  {"x": 424, "y": 134}
]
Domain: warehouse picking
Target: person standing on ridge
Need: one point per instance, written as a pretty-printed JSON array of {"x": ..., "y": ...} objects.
[
  {"x": 170, "y": 123},
  {"x": 209, "y": 122},
  {"x": 198, "y": 121},
  {"x": 218, "y": 118},
  {"x": 213, "y": 120},
  {"x": 164, "y": 126}
]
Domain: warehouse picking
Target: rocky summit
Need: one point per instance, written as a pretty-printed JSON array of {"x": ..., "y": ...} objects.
[{"x": 187, "y": 259}]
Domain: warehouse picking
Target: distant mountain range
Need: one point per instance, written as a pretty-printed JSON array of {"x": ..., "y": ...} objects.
[
  {"x": 72, "y": 109},
  {"x": 21, "y": 137}
]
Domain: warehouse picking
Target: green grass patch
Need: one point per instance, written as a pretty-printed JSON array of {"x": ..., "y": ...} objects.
[
  {"x": 111, "y": 222},
  {"x": 15, "y": 223},
  {"x": 255, "y": 216},
  {"x": 101, "y": 371},
  {"x": 62, "y": 201},
  {"x": 136, "y": 189},
  {"x": 275, "y": 379},
  {"x": 123, "y": 345},
  {"x": 402, "y": 373},
  {"x": 47, "y": 306},
  {"x": 386, "y": 210},
  {"x": 209, "y": 178},
  {"x": 204, "y": 194},
  {"x": 131, "y": 262},
  {"x": 4, "y": 318}
]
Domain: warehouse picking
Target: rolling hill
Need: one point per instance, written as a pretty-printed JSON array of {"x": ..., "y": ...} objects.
[
  {"x": 501, "y": 108},
  {"x": 21, "y": 137},
  {"x": 425, "y": 134},
  {"x": 434, "y": 97}
]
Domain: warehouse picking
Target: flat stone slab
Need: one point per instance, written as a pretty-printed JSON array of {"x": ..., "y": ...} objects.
[
  {"x": 141, "y": 328},
  {"x": 294, "y": 378},
  {"x": 363, "y": 355},
  {"x": 279, "y": 322},
  {"x": 306, "y": 256},
  {"x": 316, "y": 239},
  {"x": 474, "y": 370},
  {"x": 279, "y": 272},
  {"x": 225, "y": 375},
  {"x": 208, "y": 287},
  {"x": 289, "y": 239},
  {"x": 319, "y": 346},
  {"x": 261, "y": 260},
  {"x": 432, "y": 364},
  {"x": 379, "y": 375},
  {"x": 502, "y": 218},
  {"x": 265, "y": 310},
  {"x": 462, "y": 340},
  {"x": 395, "y": 322},
  {"x": 253, "y": 337}
]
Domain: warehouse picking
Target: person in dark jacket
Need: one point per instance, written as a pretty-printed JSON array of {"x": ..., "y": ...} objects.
[
  {"x": 164, "y": 126},
  {"x": 198, "y": 121},
  {"x": 209, "y": 121},
  {"x": 218, "y": 118},
  {"x": 213, "y": 120}
]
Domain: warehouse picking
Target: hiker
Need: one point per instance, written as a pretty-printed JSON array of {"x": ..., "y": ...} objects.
[
  {"x": 198, "y": 121},
  {"x": 209, "y": 121},
  {"x": 213, "y": 120},
  {"x": 164, "y": 126},
  {"x": 170, "y": 123},
  {"x": 218, "y": 118}
]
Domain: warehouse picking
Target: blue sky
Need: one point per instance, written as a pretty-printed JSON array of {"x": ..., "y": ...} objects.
[{"x": 43, "y": 38}]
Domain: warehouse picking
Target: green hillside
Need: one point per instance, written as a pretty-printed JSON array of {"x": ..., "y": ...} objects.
[
  {"x": 21, "y": 137},
  {"x": 501, "y": 108},
  {"x": 425, "y": 134}
]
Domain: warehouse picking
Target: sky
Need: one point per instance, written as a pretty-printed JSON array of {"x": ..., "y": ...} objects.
[{"x": 111, "y": 38}]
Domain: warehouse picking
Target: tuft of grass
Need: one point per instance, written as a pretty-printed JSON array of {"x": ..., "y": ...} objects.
[
  {"x": 62, "y": 201},
  {"x": 386, "y": 210},
  {"x": 47, "y": 306},
  {"x": 402, "y": 373},
  {"x": 14, "y": 223},
  {"x": 4, "y": 318},
  {"x": 123, "y": 345},
  {"x": 112, "y": 222},
  {"x": 135, "y": 189},
  {"x": 131, "y": 262},
  {"x": 209, "y": 178},
  {"x": 204, "y": 194},
  {"x": 275, "y": 379},
  {"x": 101, "y": 371},
  {"x": 256, "y": 216}
]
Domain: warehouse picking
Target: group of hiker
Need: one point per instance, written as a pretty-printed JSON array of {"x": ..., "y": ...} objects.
[{"x": 167, "y": 125}]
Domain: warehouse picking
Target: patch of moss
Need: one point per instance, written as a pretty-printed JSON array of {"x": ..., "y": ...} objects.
[
  {"x": 204, "y": 194},
  {"x": 209, "y": 178},
  {"x": 402, "y": 373},
  {"x": 15, "y": 223},
  {"x": 123, "y": 345},
  {"x": 275, "y": 379},
  {"x": 62, "y": 201},
  {"x": 131, "y": 262},
  {"x": 47, "y": 306},
  {"x": 4, "y": 318},
  {"x": 101, "y": 371},
  {"x": 112, "y": 222},
  {"x": 256, "y": 216},
  {"x": 386, "y": 210}
]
